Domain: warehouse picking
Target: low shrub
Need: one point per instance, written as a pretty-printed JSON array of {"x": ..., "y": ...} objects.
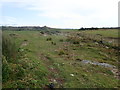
[
  {"x": 48, "y": 39},
  {"x": 5, "y": 70},
  {"x": 61, "y": 40},
  {"x": 53, "y": 43},
  {"x": 75, "y": 42},
  {"x": 61, "y": 52}
]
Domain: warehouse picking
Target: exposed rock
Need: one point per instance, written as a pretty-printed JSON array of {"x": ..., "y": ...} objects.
[
  {"x": 98, "y": 63},
  {"x": 72, "y": 75}
]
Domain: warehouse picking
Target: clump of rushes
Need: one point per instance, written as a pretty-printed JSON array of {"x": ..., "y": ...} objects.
[
  {"x": 10, "y": 59},
  {"x": 9, "y": 55},
  {"x": 9, "y": 48}
]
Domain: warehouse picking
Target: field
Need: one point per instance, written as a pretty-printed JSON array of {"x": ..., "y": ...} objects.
[{"x": 65, "y": 59}]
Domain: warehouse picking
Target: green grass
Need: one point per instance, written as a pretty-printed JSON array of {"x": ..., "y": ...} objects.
[
  {"x": 105, "y": 33},
  {"x": 37, "y": 56}
]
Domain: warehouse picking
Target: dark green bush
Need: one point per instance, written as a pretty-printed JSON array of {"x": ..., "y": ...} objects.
[
  {"x": 48, "y": 39},
  {"x": 5, "y": 70},
  {"x": 53, "y": 43},
  {"x": 61, "y": 40},
  {"x": 75, "y": 42}
]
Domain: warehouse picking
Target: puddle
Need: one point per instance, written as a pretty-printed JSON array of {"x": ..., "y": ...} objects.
[{"x": 97, "y": 63}]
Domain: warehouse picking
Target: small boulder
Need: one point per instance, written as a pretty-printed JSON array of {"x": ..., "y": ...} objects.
[{"x": 72, "y": 75}]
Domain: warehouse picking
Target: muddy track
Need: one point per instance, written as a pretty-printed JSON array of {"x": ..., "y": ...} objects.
[{"x": 54, "y": 80}]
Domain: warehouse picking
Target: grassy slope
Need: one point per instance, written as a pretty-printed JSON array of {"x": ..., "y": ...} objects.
[
  {"x": 105, "y": 33},
  {"x": 41, "y": 55}
]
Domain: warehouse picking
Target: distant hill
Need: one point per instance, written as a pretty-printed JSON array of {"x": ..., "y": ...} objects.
[
  {"x": 45, "y": 28},
  {"x": 21, "y": 28},
  {"x": 95, "y": 28}
]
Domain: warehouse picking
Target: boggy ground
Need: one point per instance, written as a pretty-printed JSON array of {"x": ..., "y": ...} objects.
[{"x": 55, "y": 60}]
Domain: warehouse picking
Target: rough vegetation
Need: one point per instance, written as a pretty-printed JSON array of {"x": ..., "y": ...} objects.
[{"x": 63, "y": 59}]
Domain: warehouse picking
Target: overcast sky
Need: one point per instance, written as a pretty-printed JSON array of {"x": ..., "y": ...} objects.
[{"x": 60, "y": 13}]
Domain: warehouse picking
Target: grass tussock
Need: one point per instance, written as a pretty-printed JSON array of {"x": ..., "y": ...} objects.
[
  {"x": 9, "y": 56},
  {"x": 9, "y": 48}
]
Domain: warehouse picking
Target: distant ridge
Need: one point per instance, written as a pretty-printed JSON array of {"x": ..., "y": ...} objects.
[
  {"x": 21, "y": 28},
  {"x": 38, "y": 28}
]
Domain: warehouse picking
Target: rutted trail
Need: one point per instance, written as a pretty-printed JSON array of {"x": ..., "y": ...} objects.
[{"x": 54, "y": 80}]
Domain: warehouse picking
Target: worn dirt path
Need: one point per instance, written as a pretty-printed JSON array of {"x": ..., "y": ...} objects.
[{"x": 54, "y": 82}]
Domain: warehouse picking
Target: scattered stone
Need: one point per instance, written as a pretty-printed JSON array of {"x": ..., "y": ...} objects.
[
  {"x": 81, "y": 44},
  {"x": 45, "y": 35},
  {"x": 116, "y": 73},
  {"x": 65, "y": 48},
  {"x": 63, "y": 64},
  {"x": 106, "y": 47},
  {"x": 54, "y": 81},
  {"x": 52, "y": 68},
  {"x": 98, "y": 63},
  {"x": 21, "y": 50},
  {"x": 58, "y": 64},
  {"x": 72, "y": 75},
  {"x": 110, "y": 41},
  {"x": 96, "y": 43}
]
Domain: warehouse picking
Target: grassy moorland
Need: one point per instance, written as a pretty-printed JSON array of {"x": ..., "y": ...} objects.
[
  {"x": 35, "y": 59},
  {"x": 106, "y": 33}
]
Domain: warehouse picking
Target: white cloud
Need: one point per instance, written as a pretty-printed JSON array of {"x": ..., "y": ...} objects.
[
  {"x": 74, "y": 13},
  {"x": 7, "y": 20}
]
